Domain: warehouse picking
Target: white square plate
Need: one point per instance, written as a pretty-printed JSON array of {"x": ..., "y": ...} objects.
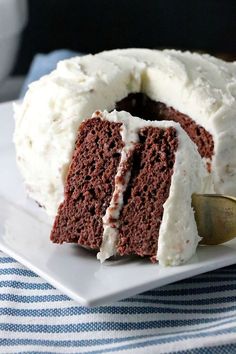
[{"x": 24, "y": 235}]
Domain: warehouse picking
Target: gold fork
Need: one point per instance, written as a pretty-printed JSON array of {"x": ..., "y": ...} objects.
[{"x": 215, "y": 215}]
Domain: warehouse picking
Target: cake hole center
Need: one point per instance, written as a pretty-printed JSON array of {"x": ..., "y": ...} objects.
[{"x": 140, "y": 105}]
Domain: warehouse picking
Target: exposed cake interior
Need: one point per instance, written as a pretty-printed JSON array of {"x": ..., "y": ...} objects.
[
  {"x": 90, "y": 184},
  {"x": 148, "y": 189},
  {"x": 123, "y": 194},
  {"x": 139, "y": 104}
]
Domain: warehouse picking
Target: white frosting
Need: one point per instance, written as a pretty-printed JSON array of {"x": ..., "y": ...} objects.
[
  {"x": 178, "y": 235},
  {"x": 200, "y": 86}
]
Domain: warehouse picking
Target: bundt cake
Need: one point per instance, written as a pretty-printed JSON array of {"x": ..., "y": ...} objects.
[
  {"x": 129, "y": 188},
  {"x": 198, "y": 91}
]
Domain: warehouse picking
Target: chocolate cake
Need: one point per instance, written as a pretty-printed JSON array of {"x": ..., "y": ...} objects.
[
  {"x": 197, "y": 91},
  {"x": 128, "y": 183},
  {"x": 118, "y": 183},
  {"x": 90, "y": 184}
]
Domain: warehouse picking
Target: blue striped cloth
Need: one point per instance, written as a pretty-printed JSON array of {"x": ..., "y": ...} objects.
[{"x": 195, "y": 316}]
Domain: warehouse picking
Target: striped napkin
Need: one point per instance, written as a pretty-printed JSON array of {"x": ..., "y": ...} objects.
[{"x": 197, "y": 315}]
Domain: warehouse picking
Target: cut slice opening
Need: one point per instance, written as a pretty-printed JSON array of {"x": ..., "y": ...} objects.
[{"x": 140, "y": 105}]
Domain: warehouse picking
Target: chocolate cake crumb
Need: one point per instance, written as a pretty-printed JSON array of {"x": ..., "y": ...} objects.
[
  {"x": 90, "y": 184},
  {"x": 148, "y": 190}
]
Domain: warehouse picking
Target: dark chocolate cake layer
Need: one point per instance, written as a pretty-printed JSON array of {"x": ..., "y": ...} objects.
[
  {"x": 139, "y": 104},
  {"x": 90, "y": 184},
  {"x": 91, "y": 181},
  {"x": 147, "y": 191}
]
